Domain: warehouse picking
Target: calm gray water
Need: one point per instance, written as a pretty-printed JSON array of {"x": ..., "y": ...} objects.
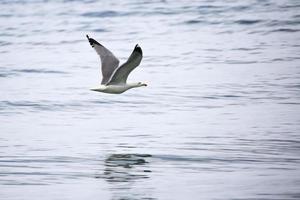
[{"x": 220, "y": 118}]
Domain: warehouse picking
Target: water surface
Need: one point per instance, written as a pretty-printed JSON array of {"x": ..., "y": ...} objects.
[{"x": 218, "y": 120}]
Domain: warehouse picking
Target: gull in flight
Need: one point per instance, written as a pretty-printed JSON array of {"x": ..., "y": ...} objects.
[{"x": 114, "y": 77}]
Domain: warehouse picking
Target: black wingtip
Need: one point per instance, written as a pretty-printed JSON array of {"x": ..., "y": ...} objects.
[
  {"x": 92, "y": 41},
  {"x": 138, "y": 49}
]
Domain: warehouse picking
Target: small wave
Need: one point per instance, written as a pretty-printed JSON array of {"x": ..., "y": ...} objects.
[
  {"x": 22, "y": 106},
  {"x": 285, "y": 30},
  {"x": 99, "y": 30},
  {"x": 6, "y": 15},
  {"x": 296, "y": 16},
  {"x": 210, "y": 9},
  {"x": 275, "y": 23},
  {"x": 247, "y": 22},
  {"x": 240, "y": 8},
  {"x": 42, "y": 71},
  {"x": 222, "y": 96},
  {"x": 85, "y": 1},
  {"x": 290, "y": 6},
  {"x": 40, "y": 159},
  {"x": 230, "y": 96},
  {"x": 196, "y": 21},
  {"x": 289, "y": 103},
  {"x": 70, "y": 41},
  {"x": 188, "y": 159},
  {"x": 5, "y": 72},
  {"x": 240, "y": 62},
  {"x": 4, "y": 43},
  {"x": 293, "y": 86},
  {"x": 108, "y": 13},
  {"x": 193, "y": 21},
  {"x": 245, "y": 49}
]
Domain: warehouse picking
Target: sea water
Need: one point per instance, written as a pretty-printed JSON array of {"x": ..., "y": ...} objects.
[{"x": 220, "y": 118}]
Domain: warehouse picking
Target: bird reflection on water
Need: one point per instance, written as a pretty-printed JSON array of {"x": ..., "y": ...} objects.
[{"x": 125, "y": 173}]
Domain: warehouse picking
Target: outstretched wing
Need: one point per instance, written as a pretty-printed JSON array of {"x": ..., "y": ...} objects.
[
  {"x": 120, "y": 75},
  {"x": 108, "y": 61}
]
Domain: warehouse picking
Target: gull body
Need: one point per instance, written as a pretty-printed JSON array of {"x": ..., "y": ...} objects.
[
  {"x": 114, "y": 77},
  {"x": 117, "y": 89}
]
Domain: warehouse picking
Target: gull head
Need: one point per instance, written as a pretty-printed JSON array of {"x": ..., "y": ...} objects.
[{"x": 135, "y": 85}]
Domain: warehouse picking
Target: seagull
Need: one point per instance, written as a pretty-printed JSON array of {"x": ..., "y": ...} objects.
[{"x": 114, "y": 77}]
